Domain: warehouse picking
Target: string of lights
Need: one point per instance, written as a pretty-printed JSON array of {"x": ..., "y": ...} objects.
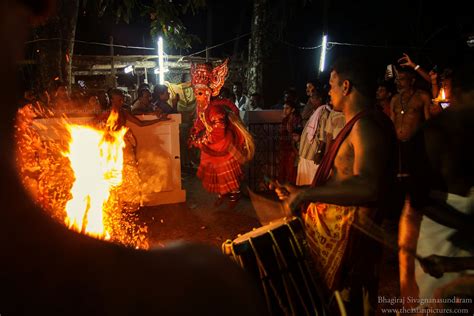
[
  {"x": 135, "y": 47},
  {"x": 299, "y": 47},
  {"x": 212, "y": 47},
  {"x": 330, "y": 44},
  {"x": 226, "y": 42},
  {"x": 373, "y": 46},
  {"x": 89, "y": 43}
]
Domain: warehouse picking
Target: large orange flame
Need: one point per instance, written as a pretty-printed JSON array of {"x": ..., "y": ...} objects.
[
  {"x": 96, "y": 158},
  {"x": 82, "y": 176}
]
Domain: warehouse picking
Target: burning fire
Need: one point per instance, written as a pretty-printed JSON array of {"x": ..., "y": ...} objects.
[
  {"x": 84, "y": 176},
  {"x": 96, "y": 158}
]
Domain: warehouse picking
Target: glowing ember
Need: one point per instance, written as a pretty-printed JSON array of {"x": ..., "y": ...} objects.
[{"x": 96, "y": 158}]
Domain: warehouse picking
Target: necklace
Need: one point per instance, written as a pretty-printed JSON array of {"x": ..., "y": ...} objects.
[{"x": 406, "y": 104}]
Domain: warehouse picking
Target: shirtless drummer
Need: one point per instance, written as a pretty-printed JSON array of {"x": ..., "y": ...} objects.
[{"x": 353, "y": 182}]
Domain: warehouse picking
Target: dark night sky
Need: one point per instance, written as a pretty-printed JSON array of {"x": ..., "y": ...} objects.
[{"x": 439, "y": 31}]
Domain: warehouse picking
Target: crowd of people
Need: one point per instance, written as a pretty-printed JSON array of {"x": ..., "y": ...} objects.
[
  {"x": 354, "y": 152},
  {"x": 380, "y": 152},
  {"x": 59, "y": 100}
]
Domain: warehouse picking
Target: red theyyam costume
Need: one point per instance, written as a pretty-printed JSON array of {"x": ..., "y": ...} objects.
[{"x": 218, "y": 131}]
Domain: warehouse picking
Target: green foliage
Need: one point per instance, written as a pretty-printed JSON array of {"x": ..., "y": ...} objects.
[
  {"x": 163, "y": 14},
  {"x": 165, "y": 21}
]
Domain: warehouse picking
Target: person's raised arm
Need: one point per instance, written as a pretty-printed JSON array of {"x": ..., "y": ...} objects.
[
  {"x": 406, "y": 61},
  {"x": 434, "y": 83}
]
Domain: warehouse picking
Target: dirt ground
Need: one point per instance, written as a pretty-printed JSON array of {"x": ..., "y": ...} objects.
[{"x": 198, "y": 220}]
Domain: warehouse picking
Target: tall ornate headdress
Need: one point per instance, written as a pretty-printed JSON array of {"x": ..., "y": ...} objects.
[{"x": 214, "y": 78}]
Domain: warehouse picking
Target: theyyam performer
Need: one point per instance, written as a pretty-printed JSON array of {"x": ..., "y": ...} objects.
[{"x": 219, "y": 133}]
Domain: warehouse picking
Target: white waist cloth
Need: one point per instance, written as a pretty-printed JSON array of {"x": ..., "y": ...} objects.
[
  {"x": 306, "y": 171},
  {"x": 433, "y": 240}
]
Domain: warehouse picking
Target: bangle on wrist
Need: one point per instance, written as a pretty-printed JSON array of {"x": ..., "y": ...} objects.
[{"x": 416, "y": 67}]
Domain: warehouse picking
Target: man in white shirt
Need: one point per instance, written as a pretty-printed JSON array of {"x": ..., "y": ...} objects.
[{"x": 241, "y": 100}]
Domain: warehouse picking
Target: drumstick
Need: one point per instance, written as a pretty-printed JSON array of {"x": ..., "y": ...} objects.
[
  {"x": 266, "y": 209},
  {"x": 377, "y": 233}
]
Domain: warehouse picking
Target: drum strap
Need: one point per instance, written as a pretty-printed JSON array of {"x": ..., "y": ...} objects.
[{"x": 325, "y": 167}]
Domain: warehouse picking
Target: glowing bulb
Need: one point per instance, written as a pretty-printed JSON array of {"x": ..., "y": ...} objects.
[
  {"x": 323, "y": 53},
  {"x": 161, "y": 65},
  {"x": 128, "y": 69}
]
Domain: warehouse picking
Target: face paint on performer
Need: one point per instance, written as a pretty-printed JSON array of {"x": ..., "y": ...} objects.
[{"x": 202, "y": 94}]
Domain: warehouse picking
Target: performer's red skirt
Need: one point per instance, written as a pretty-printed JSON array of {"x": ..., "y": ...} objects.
[{"x": 221, "y": 174}]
